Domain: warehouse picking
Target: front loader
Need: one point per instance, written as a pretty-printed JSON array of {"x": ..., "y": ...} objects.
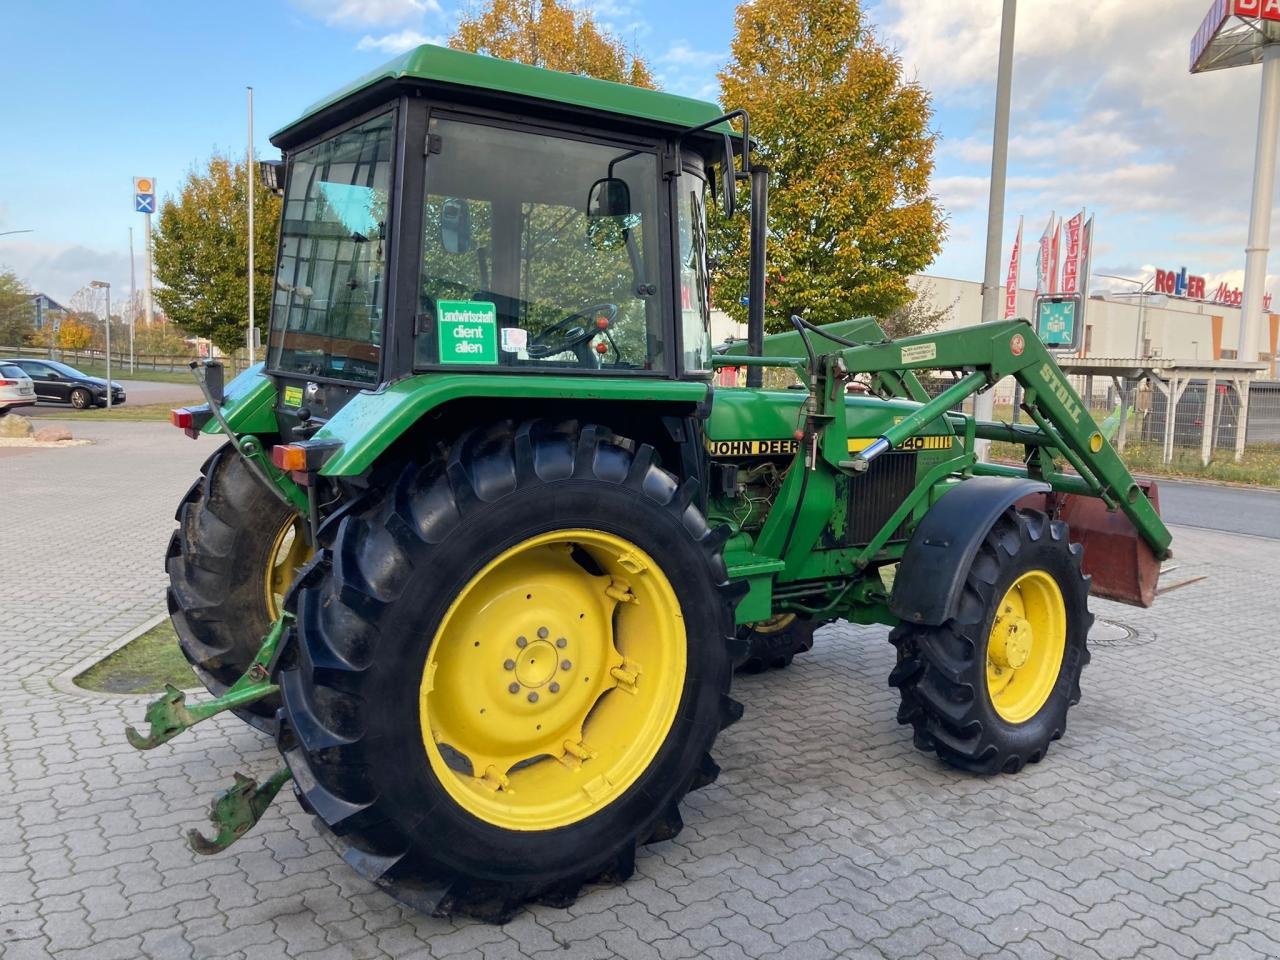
[{"x": 484, "y": 544}]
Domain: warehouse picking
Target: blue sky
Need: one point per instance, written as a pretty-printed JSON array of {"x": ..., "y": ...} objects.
[{"x": 1105, "y": 113}]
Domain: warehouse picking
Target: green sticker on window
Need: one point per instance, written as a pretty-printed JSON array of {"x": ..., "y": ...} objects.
[
  {"x": 468, "y": 331},
  {"x": 293, "y": 396}
]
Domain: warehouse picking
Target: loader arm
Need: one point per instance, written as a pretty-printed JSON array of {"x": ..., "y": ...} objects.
[{"x": 984, "y": 355}]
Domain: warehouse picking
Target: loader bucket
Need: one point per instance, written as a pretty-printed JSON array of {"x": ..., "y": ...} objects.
[{"x": 1122, "y": 565}]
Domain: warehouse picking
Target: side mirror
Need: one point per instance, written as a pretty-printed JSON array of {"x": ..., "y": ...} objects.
[
  {"x": 455, "y": 226},
  {"x": 609, "y": 197},
  {"x": 729, "y": 179},
  {"x": 271, "y": 173}
]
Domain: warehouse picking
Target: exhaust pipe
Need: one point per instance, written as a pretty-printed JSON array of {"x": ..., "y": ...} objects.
[{"x": 756, "y": 266}]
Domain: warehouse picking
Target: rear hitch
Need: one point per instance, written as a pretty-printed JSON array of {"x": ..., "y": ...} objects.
[
  {"x": 235, "y": 811},
  {"x": 169, "y": 715}
]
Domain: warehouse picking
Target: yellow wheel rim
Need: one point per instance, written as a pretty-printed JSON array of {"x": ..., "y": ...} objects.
[
  {"x": 1025, "y": 646},
  {"x": 289, "y": 553},
  {"x": 553, "y": 680}
]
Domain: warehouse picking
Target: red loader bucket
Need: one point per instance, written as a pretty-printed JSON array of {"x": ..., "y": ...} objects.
[{"x": 1122, "y": 565}]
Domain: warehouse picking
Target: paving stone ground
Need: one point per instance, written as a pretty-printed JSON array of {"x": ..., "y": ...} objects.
[{"x": 1152, "y": 829}]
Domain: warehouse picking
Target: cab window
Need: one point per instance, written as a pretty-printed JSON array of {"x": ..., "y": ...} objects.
[{"x": 539, "y": 251}]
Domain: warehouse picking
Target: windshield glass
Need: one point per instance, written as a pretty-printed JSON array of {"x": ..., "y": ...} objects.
[
  {"x": 695, "y": 281},
  {"x": 538, "y": 251},
  {"x": 326, "y": 316}
]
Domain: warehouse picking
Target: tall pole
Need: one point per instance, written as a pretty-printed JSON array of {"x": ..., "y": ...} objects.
[
  {"x": 107, "y": 290},
  {"x": 984, "y": 403},
  {"x": 248, "y": 173},
  {"x": 146, "y": 303},
  {"x": 133, "y": 301},
  {"x": 1264, "y": 178}
]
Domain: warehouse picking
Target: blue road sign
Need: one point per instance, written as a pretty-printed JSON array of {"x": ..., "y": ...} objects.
[{"x": 144, "y": 203}]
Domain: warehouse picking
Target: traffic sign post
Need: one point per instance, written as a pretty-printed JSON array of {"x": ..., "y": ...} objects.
[
  {"x": 1060, "y": 321},
  {"x": 144, "y": 202}
]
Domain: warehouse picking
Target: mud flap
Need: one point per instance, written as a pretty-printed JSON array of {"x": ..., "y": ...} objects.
[{"x": 1122, "y": 565}]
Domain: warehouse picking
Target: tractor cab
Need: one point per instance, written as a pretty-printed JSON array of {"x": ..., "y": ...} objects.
[{"x": 452, "y": 212}]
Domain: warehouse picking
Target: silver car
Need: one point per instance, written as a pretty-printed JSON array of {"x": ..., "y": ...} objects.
[{"x": 16, "y": 388}]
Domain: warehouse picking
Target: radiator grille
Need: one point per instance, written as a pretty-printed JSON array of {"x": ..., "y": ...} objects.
[{"x": 876, "y": 494}]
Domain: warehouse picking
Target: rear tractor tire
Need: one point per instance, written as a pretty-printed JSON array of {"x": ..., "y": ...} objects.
[
  {"x": 774, "y": 643},
  {"x": 989, "y": 690},
  {"x": 509, "y": 669},
  {"x": 230, "y": 562}
]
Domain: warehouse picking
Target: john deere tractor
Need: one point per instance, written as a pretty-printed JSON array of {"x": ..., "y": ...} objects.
[{"x": 489, "y": 532}]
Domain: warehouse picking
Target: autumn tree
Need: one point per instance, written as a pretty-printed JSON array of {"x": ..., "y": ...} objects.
[
  {"x": 15, "y": 310},
  {"x": 202, "y": 248},
  {"x": 848, "y": 144},
  {"x": 546, "y": 33}
]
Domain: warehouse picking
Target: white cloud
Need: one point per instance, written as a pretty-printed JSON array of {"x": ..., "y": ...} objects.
[
  {"x": 399, "y": 42},
  {"x": 680, "y": 54},
  {"x": 369, "y": 13},
  {"x": 61, "y": 269}
]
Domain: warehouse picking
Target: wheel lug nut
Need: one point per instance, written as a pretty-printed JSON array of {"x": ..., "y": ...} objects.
[
  {"x": 521, "y": 641},
  {"x": 562, "y": 643},
  {"x": 542, "y": 633},
  {"x": 514, "y": 687},
  {"x": 554, "y": 688},
  {"x": 566, "y": 665},
  {"x": 509, "y": 665},
  {"x": 533, "y": 697}
]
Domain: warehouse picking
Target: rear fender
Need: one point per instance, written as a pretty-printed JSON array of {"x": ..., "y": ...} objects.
[{"x": 931, "y": 575}]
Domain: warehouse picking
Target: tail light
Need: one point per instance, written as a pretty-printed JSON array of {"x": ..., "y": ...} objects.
[
  {"x": 8, "y": 383},
  {"x": 190, "y": 421}
]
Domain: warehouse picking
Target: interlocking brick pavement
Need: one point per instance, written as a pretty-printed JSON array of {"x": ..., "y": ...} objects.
[{"x": 1151, "y": 829}]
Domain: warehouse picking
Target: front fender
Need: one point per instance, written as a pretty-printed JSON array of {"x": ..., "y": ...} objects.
[{"x": 931, "y": 574}]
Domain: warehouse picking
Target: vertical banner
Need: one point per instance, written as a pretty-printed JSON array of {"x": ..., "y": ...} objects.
[
  {"x": 1086, "y": 256},
  {"x": 1055, "y": 255},
  {"x": 1011, "y": 282},
  {"x": 1043, "y": 256},
  {"x": 1071, "y": 261}
]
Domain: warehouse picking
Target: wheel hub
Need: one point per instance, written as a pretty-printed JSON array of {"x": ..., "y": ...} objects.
[
  {"x": 537, "y": 664},
  {"x": 1025, "y": 646}
]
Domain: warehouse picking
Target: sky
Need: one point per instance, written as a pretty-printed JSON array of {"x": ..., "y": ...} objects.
[{"x": 1105, "y": 114}]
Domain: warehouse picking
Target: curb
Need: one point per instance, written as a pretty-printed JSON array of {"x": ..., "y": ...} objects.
[{"x": 64, "y": 682}]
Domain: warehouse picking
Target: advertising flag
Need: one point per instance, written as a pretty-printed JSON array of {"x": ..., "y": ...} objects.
[
  {"x": 1011, "y": 282},
  {"x": 1055, "y": 255},
  {"x": 1086, "y": 256},
  {"x": 1043, "y": 256},
  {"x": 1072, "y": 259}
]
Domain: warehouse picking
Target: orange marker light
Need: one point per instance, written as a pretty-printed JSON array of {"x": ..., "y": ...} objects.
[{"x": 288, "y": 457}]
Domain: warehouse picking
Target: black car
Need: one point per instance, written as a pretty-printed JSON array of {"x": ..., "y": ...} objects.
[{"x": 58, "y": 382}]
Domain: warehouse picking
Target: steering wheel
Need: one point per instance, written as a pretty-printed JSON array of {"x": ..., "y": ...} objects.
[{"x": 571, "y": 333}]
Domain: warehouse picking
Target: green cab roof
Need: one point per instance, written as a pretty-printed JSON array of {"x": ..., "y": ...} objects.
[{"x": 456, "y": 67}]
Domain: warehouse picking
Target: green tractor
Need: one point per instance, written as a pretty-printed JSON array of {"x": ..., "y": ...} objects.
[{"x": 489, "y": 534}]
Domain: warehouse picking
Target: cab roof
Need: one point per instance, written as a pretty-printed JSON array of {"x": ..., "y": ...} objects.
[{"x": 444, "y": 66}]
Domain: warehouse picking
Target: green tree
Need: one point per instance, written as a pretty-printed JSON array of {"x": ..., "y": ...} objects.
[
  {"x": 848, "y": 144},
  {"x": 15, "y": 311},
  {"x": 201, "y": 250},
  {"x": 546, "y": 33}
]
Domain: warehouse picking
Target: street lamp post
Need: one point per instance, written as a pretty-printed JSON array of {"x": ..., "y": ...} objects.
[{"x": 106, "y": 287}]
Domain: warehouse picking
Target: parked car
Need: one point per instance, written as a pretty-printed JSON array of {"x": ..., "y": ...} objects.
[
  {"x": 61, "y": 383},
  {"x": 16, "y": 388}
]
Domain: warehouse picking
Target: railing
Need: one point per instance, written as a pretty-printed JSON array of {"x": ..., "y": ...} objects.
[{"x": 143, "y": 363}]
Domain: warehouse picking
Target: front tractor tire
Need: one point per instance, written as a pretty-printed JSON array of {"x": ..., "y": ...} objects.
[
  {"x": 989, "y": 690},
  {"x": 230, "y": 562},
  {"x": 509, "y": 670},
  {"x": 772, "y": 644}
]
